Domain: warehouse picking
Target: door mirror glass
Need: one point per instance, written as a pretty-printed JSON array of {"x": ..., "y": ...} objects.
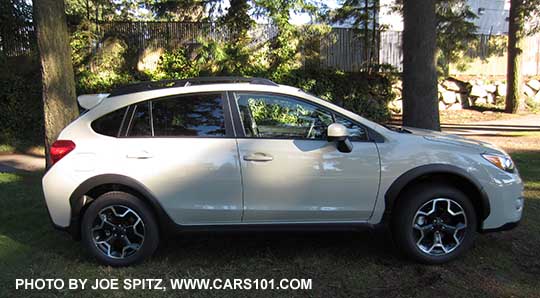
[{"x": 338, "y": 133}]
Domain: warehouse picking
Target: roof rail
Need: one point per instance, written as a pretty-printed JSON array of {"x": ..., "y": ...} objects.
[{"x": 152, "y": 85}]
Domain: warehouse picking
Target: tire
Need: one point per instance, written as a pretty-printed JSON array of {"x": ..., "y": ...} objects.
[
  {"x": 421, "y": 242},
  {"x": 129, "y": 220}
]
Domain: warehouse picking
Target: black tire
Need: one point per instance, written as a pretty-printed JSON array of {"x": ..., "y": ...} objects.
[
  {"x": 404, "y": 213},
  {"x": 116, "y": 198}
]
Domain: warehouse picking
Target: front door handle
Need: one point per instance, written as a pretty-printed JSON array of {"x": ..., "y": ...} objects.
[
  {"x": 258, "y": 157},
  {"x": 143, "y": 154}
]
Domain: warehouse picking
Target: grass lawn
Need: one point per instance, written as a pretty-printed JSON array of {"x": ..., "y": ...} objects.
[{"x": 361, "y": 264}]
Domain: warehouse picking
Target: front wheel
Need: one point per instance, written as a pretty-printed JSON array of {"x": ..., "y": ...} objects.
[
  {"x": 119, "y": 229},
  {"x": 434, "y": 224}
]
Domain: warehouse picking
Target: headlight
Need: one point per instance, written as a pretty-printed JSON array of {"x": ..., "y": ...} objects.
[{"x": 504, "y": 163}]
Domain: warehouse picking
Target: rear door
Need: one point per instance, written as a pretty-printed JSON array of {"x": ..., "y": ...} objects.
[
  {"x": 291, "y": 173},
  {"x": 183, "y": 149}
]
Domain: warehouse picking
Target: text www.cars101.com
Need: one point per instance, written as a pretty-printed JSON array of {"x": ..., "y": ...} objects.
[
  {"x": 161, "y": 285},
  {"x": 240, "y": 284}
]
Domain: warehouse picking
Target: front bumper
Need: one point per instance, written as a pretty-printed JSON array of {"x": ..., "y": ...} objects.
[{"x": 505, "y": 193}]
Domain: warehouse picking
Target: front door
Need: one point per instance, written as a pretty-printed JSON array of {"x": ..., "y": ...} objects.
[{"x": 291, "y": 173}]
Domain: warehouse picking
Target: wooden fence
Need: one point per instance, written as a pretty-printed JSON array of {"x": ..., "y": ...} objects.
[
  {"x": 18, "y": 42},
  {"x": 342, "y": 49}
]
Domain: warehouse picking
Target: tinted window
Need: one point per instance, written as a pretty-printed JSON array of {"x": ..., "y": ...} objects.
[
  {"x": 274, "y": 116},
  {"x": 356, "y": 131},
  {"x": 140, "y": 121},
  {"x": 193, "y": 115},
  {"x": 109, "y": 124}
]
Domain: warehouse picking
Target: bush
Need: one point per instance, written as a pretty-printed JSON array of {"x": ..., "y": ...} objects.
[
  {"x": 21, "y": 111},
  {"x": 363, "y": 93}
]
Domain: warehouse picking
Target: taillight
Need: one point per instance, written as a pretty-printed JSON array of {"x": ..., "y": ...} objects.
[{"x": 61, "y": 148}]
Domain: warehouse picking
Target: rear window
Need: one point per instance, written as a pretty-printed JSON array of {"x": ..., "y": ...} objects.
[
  {"x": 196, "y": 115},
  {"x": 109, "y": 124},
  {"x": 193, "y": 115}
]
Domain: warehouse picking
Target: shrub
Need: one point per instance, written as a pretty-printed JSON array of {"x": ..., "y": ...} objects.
[
  {"x": 363, "y": 93},
  {"x": 21, "y": 111}
]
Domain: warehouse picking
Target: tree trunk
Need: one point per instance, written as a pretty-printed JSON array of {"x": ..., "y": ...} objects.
[
  {"x": 420, "y": 102},
  {"x": 513, "y": 73},
  {"x": 59, "y": 103}
]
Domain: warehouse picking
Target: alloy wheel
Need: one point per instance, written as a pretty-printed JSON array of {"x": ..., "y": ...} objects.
[
  {"x": 439, "y": 226},
  {"x": 118, "y": 231}
]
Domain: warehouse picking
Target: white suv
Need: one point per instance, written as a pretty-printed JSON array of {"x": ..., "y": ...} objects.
[{"x": 238, "y": 153}]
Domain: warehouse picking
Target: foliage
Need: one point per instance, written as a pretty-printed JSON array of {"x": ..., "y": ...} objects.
[
  {"x": 237, "y": 21},
  {"x": 174, "y": 65},
  {"x": 532, "y": 105},
  {"x": 21, "y": 111},
  {"x": 283, "y": 47},
  {"x": 15, "y": 16},
  {"x": 271, "y": 114},
  {"x": 106, "y": 68},
  {"x": 530, "y": 13},
  {"x": 103, "y": 62},
  {"x": 364, "y": 93},
  {"x": 455, "y": 32},
  {"x": 148, "y": 10}
]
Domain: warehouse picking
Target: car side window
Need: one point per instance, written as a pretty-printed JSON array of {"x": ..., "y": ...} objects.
[
  {"x": 110, "y": 123},
  {"x": 356, "y": 131},
  {"x": 140, "y": 121},
  {"x": 279, "y": 116},
  {"x": 191, "y": 115}
]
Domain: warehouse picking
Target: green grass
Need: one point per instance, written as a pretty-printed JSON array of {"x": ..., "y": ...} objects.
[{"x": 361, "y": 264}]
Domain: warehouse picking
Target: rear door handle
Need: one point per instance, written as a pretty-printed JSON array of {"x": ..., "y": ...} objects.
[
  {"x": 143, "y": 154},
  {"x": 258, "y": 157}
]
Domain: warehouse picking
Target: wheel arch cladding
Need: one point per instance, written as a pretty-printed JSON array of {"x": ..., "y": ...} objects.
[
  {"x": 98, "y": 185},
  {"x": 439, "y": 173}
]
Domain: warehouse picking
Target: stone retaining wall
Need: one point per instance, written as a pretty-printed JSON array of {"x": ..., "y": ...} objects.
[{"x": 455, "y": 94}]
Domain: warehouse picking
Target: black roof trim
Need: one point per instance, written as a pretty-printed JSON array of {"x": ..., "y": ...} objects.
[{"x": 153, "y": 85}]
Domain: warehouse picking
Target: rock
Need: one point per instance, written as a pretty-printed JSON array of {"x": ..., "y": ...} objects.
[
  {"x": 399, "y": 104},
  {"x": 490, "y": 88},
  {"x": 449, "y": 97},
  {"x": 396, "y": 106},
  {"x": 149, "y": 59},
  {"x": 501, "y": 89},
  {"x": 398, "y": 93},
  {"x": 490, "y": 99},
  {"x": 529, "y": 91},
  {"x": 442, "y": 106},
  {"x": 478, "y": 91},
  {"x": 452, "y": 85},
  {"x": 480, "y": 101},
  {"x": 455, "y": 107},
  {"x": 440, "y": 88},
  {"x": 534, "y": 84},
  {"x": 536, "y": 98}
]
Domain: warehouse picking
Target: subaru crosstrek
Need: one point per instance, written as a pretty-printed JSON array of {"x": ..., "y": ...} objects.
[{"x": 229, "y": 152}]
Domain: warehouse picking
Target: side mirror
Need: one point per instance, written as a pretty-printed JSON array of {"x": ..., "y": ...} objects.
[{"x": 338, "y": 133}]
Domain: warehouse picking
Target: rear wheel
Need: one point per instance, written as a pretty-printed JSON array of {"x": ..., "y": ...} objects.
[
  {"x": 434, "y": 224},
  {"x": 119, "y": 229}
]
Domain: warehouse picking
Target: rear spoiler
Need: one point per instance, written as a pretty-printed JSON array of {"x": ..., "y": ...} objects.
[{"x": 88, "y": 101}]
